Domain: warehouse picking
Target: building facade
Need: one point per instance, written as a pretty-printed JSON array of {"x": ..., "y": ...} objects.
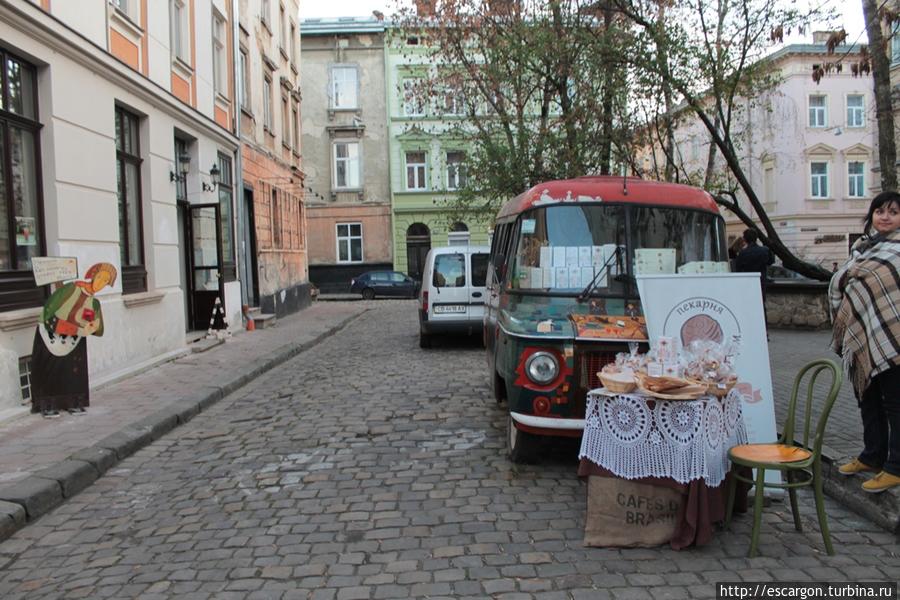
[
  {"x": 117, "y": 128},
  {"x": 427, "y": 149},
  {"x": 273, "y": 235},
  {"x": 809, "y": 151},
  {"x": 345, "y": 141}
]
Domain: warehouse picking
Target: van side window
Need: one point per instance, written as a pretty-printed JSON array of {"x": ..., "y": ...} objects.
[
  {"x": 479, "y": 269},
  {"x": 449, "y": 270}
]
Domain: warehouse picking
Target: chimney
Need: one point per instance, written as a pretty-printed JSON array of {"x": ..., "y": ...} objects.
[
  {"x": 821, "y": 37},
  {"x": 425, "y": 8}
]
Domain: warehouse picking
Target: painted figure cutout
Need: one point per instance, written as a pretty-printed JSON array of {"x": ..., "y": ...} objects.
[{"x": 59, "y": 362}]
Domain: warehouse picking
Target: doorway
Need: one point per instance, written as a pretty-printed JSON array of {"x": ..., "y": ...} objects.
[
  {"x": 204, "y": 273},
  {"x": 418, "y": 243},
  {"x": 248, "y": 241}
]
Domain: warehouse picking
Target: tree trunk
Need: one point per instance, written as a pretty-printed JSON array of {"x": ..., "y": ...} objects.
[{"x": 881, "y": 73}]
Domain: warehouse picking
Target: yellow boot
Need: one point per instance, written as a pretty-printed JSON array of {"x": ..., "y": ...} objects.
[
  {"x": 856, "y": 466},
  {"x": 881, "y": 482}
]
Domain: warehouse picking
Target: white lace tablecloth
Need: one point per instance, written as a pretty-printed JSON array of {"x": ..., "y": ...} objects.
[{"x": 680, "y": 439}]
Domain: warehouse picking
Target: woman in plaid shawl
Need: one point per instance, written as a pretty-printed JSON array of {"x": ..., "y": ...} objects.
[{"x": 865, "y": 308}]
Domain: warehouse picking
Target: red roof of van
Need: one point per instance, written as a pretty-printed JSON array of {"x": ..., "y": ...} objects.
[{"x": 610, "y": 189}]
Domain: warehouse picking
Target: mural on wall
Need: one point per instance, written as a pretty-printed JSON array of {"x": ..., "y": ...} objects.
[{"x": 59, "y": 360}]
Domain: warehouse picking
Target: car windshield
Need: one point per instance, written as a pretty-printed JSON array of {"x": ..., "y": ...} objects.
[{"x": 563, "y": 248}]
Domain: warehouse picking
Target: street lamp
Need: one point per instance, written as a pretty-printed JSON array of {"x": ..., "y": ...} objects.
[
  {"x": 183, "y": 166},
  {"x": 213, "y": 178}
]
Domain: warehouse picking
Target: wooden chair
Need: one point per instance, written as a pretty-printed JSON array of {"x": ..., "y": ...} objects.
[{"x": 800, "y": 462}]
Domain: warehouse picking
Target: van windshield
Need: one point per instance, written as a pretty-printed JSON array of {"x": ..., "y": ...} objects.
[{"x": 562, "y": 248}]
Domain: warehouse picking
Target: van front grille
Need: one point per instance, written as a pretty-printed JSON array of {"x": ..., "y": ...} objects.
[{"x": 590, "y": 364}]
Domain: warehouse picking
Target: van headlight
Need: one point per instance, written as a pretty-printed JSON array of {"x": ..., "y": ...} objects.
[{"x": 542, "y": 367}]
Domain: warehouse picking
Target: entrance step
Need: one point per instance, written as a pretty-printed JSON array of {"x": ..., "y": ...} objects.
[
  {"x": 262, "y": 320},
  {"x": 204, "y": 344}
]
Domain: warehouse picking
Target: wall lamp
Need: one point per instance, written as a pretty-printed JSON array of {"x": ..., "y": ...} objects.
[
  {"x": 183, "y": 166},
  {"x": 213, "y": 178}
]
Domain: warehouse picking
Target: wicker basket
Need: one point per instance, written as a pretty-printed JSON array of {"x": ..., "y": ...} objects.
[
  {"x": 616, "y": 386},
  {"x": 713, "y": 387}
]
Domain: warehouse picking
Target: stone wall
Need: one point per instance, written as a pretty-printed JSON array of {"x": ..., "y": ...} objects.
[{"x": 797, "y": 304}]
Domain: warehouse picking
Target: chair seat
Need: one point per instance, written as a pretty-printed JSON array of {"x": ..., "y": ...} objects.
[{"x": 769, "y": 453}]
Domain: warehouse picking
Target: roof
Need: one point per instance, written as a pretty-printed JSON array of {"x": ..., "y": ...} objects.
[
  {"x": 610, "y": 189},
  {"x": 348, "y": 25},
  {"x": 810, "y": 49}
]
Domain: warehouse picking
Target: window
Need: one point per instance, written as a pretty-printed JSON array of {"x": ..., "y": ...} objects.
[
  {"x": 346, "y": 165},
  {"x": 343, "y": 87},
  {"x": 245, "y": 79},
  {"x": 454, "y": 101},
  {"x": 276, "y": 219},
  {"x": 265, "y": 12},
  {"x": 267, "y": 103},
  {"x": 413, "y": 101},
  {"x": 226, "y": 195},
  {"x": 818, "y": 179},
  {"x": 856, "y": 116},
  {"x": 128, "y": 175},
  {"x": 293, "y": 43},
  {"x": 180, "y": 185},
  {"x": 295, "y": 127},
  {"x": 178, "y": 30},
  {"x": 817, "y": 113},
  {"x": 220, "y": 63},
  {"x": 479, "y": 268},
  {"x": 349, "y": 242},
  {"x": 415, "y": 171},
  {"x": 856, "y": 179},
  {"x": 285, "y": 121},
  {"x": 21, "y": 214},
  {"x": 456, "y": 174},
  {"x": 282, "y": 37},
  {"x": 449, "y": 270},
  {"x": 127, "y": 7}
]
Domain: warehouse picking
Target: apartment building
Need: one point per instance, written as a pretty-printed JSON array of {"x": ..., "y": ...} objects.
[
  {"x": 345, "y": 141},
  {"x": 273, "y": 216},
  {"x": 117, "y": 128}
]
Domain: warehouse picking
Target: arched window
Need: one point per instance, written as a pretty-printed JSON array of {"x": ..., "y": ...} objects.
[
  {"x": 418, "y": 243},
  {"x": 459, "y": 226}
]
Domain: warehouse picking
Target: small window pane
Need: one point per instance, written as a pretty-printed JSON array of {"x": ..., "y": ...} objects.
[
  {"x": 132, "y": 184},
  {"x": 24, "y": 191},
  {"x": 449, "y": 270},
  {"x": 21, "y": 88},
  {"x": 479, "y": 268},
  {"x": 356, "y": 250},
  {"x": 356, "y": 229},
  {"x": 5, "y": 258}
]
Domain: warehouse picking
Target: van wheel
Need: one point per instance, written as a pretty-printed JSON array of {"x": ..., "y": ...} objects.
[
  {"x": 368, "y": 294},
  {"x": 520, "y": 445},
  {"x": 424, "y": 340}
]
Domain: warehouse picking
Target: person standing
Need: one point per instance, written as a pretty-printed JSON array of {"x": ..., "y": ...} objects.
[
  {"x": 755, "y": 259},
  {"x": 864, "y": 296}
]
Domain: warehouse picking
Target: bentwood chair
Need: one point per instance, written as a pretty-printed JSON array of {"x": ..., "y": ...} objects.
[{"x": 800, "y": 461}]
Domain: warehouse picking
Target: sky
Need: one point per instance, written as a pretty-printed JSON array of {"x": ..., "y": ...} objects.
[{"x": 850, "y": 11}]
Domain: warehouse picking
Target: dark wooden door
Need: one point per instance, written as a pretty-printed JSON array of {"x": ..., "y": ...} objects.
[{"x": 205, "y": 274}]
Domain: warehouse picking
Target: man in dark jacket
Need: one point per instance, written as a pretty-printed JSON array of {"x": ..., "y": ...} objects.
[{"x": 755, "y": 259}]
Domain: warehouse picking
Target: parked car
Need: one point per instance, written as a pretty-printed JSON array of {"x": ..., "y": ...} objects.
[
  {"x": 452, "y": 296},
  {"x": 384, "y": 283}
]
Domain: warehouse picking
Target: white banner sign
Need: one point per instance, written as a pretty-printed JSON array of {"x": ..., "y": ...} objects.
[
  {"x": 720, "y": 307},
  {"x": 53, "y": 269}
]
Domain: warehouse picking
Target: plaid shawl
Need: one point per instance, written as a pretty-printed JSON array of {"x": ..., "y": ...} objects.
[{"x": 864, "y": 299}]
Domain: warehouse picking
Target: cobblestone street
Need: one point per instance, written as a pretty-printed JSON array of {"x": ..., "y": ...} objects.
[{"x": 368, "y": 468}]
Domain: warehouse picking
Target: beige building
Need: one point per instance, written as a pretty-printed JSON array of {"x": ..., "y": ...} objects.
[
  {"x": 118, "y": 128},
  {"x": 346, "y": 149},
  {"x": 273, "y": 236}
]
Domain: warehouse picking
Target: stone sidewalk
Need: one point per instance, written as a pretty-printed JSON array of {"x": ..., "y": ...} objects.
[{"x": 44, "y": 461}]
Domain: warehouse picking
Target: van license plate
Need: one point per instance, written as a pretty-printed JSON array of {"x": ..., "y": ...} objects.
[{"x": 449, "y": 308}]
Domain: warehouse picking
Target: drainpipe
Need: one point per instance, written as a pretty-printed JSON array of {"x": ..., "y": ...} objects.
[{"x": 237, "y": 198}]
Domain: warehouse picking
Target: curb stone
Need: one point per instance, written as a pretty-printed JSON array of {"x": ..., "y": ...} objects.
[{"x": 23, "y": 501}]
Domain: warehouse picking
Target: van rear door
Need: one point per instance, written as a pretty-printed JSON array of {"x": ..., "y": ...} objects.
[
  {"x": 451, "y": 298},
  {"x": 477, "y": 288}
]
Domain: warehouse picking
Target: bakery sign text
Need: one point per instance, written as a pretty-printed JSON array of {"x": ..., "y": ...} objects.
[{"x": 703, "y": 305}]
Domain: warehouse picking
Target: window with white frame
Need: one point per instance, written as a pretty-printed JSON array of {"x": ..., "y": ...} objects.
[
  {"x": 415, "y": 171},
  {"x": 818, "y": 179},
  {"x": 343, "y": 87},
  {"x": 282, "y": 32},
  {"x": 220, "y": 63},
  {"x": 856, "y": 179},
  {"x": 127, "y": 7},
  {"x": 856, "y": 116},
  {"x": 456, "y": 173},
  {"x": 454, "y": 101},
  {"x": 349, "y": 242},
  {"x": 818, "y": 116},
  {"x": 285, "y": 120},
  {"x": 267, "y": 102},
  {"x": 346, "y": 165},
  {"x": 179, "y": 29},
  {"x": 293, "y": 43},
  {"x": 413, "y": 100},
  {"x": 245, "y": 79},
  {"x": 265, "y": 11}
]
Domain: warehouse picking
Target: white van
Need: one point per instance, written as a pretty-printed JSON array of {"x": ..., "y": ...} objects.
[{"x": 451, "y": 299}]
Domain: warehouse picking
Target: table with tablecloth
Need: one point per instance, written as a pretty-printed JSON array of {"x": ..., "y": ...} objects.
[{"x": 679, "y": 444}]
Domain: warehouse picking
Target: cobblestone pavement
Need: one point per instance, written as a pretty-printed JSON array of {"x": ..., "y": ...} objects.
[
  {"x": 791, "y": 349},
  {"x": 368, "y": 468}
]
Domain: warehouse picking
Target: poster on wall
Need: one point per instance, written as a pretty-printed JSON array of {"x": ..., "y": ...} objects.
[
  {"x": 25, "y": 231},
  {"x": 721, "y": 307}
]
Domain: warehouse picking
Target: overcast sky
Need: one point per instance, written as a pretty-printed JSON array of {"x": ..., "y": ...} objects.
[{"x": 851, "y": 10}]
